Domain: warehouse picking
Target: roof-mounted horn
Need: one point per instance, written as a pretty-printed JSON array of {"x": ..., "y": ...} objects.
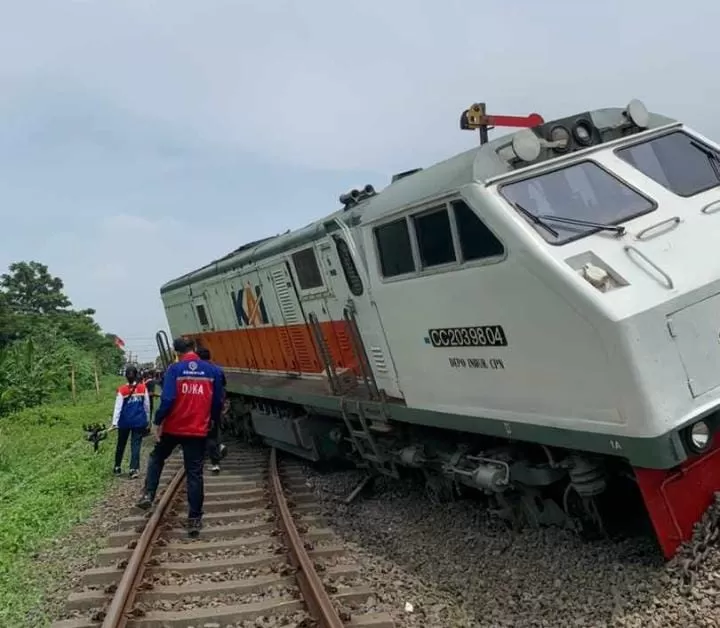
[{"x": 354, "y": 196}]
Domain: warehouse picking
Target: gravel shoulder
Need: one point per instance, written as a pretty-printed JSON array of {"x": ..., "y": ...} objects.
[
  {"x": 67, "y": 556},
  {"x": 50, "y": 479},
  {"x": 451, "y": 565},
  {"x": 497, "y": 577}
]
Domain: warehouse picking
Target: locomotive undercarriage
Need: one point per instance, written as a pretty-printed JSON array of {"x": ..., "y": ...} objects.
[{"x": 524, "y": 484}]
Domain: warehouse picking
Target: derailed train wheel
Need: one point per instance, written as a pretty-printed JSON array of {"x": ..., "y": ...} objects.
[
  {"x": 623, "y": 508},
  {"x": 584, "y": 514},
  {"x": 616, "y": 513}
]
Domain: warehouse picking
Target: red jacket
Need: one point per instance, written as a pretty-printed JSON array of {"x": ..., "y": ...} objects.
[{"x": 191, "y": 397}]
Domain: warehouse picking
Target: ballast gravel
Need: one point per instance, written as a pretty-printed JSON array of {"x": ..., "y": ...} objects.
[
  {"x": 190, "y": 602},
  {"x": 170, "y": 578},
  {"x": 447, "y": 566},
  {"x": 486, "y": 575},
  {"x": 242, "y": 551},
  {"x": 66, "y": 557}
]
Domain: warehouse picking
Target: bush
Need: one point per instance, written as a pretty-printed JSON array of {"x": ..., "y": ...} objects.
[
  {"x": 37, "y": 369},
  {"x": 49, "y": 479}
]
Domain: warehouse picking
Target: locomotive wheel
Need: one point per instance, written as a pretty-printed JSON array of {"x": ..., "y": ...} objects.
[
  {"x": 584, "y": 514},
  {"x": 437, "y": 489}
]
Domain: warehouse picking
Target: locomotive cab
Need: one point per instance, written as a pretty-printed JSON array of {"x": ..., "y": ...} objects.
[{"x": 567, "y": 294}]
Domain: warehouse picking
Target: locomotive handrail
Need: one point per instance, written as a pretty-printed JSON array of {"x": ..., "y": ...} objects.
[
  {"x": 163, "y": 345},
  {"x": 359, "y": 262},
  {"x": 323, "y": 352},
  {"x": 359, "y": 349},
  {"x": 362, "y": 269},
  {"x": 711, "y": 208},
  {"x": 675, "y": 220},
  {"x": 668, "y": 280}
]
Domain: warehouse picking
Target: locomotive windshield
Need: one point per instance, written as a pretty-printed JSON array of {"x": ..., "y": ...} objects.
[
  {"x": 575, "y": 201},
  {"x": 676, "y": 161}
]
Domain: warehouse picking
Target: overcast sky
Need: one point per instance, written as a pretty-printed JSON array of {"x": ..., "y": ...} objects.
[{"x": 140, "y": 139}]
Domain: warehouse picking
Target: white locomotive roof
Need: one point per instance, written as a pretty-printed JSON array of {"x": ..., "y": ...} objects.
[{"x": 479, "y": 164}]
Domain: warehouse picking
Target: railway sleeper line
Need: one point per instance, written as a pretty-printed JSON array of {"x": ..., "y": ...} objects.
[{"x": 244, "y": 566}]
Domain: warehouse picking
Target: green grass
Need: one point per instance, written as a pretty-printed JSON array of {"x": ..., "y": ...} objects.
[{"x": 49, "y": 480}]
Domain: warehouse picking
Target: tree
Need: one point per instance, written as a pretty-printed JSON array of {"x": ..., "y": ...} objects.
[
  {"x": 79, "y": 326},
  {"x": 41, "y": 336},
  {"x": 30, "y": 289},
  {"x": 7, "y": 321}
]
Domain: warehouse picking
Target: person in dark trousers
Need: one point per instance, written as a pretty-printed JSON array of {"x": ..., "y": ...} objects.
[
  {"x": 130, "y": 418},
  {"x": 190, "y": 403},
  {"x": 214, "y": 447},
  {"x": 153, "y": 382}
]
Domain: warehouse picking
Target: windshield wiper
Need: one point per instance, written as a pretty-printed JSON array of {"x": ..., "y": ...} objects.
[
  {"x": 711, "y": 157},
  {"x": 540, "y": 220},
  {"x": 584, "y": 223},
  {"x": 536, "y": 219}
]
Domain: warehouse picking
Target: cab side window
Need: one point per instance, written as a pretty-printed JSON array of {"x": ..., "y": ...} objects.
[
  {"x": 434, "y": 236},
  {"x": 202, "y": 315},
  {"x": 476, "y": 240},
  {"x": 393, "y": 243},
  {"x": 307, "y": 269},
  {"x": 448, "y": 235}
]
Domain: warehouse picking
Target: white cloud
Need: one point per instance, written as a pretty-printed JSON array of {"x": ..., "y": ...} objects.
[
  {"x": 328, "y": 84},
  {"x": 118, "y": 264},
  {"x": 321, "y": 84},
  {"x": 111, "y": 271}
]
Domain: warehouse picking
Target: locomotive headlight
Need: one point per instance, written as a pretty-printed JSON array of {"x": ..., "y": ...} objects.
[
  {"x": 583, "y": 132},
  {"x": 699, "y": 436},
  {"x": 560, "y": 137}
]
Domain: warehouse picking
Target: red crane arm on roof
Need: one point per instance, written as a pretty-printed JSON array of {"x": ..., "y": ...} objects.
[
  {"x": 534, "y": 119},
  {"x": 474, "y": 117}
]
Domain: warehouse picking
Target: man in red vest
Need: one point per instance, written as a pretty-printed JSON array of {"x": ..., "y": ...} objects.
[{"x": 190, "y": 403}]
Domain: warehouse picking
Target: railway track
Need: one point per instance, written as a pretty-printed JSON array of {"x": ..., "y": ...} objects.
[{"x": 263, "y": 558}]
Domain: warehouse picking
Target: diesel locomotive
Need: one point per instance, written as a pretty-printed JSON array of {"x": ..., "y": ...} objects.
[{"x": 537, "y": 318}]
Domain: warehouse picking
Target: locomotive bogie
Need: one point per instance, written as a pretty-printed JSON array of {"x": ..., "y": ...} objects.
[
  {"x": 534, "y": 319},
  {"x": 524, "y": 484}
]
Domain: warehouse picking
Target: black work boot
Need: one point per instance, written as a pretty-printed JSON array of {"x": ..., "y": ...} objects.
[
  {"x": 194, "y": 525},
  {"x": 145, "y": 502}
]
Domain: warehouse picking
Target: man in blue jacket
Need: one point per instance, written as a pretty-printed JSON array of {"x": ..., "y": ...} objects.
[
  {"x": 191, "y": 401},
  {"x": 130, "y": 418}
]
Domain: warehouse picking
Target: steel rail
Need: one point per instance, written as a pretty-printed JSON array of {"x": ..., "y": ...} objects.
[
  {"x": 117, "y": 613},
  {"x": 319, "y": 604}
]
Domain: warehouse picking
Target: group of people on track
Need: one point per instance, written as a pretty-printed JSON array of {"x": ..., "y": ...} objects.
[{"x": 191, "y": 399}]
